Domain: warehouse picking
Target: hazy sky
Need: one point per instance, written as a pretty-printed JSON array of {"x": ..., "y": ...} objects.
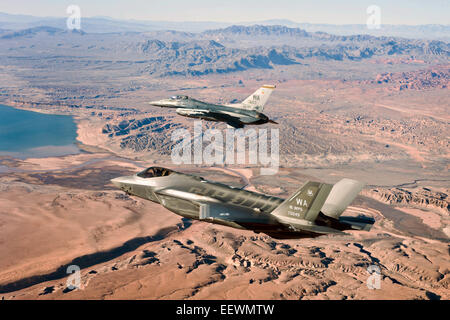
[{"x": 313, "y": 11}]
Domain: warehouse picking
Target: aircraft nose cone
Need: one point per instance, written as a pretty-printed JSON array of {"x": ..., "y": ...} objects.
[
  {"x": 117, "y": 182},
  {"x": 157, "y": 103},
  {"x": 124, "y": 183}
]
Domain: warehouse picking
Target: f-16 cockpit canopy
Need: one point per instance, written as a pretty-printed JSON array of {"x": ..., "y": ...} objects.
[
  {"x": 179, "y": 97},
  {"x": 154, "y": 172}
]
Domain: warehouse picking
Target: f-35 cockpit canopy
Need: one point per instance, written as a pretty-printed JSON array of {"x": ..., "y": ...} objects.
[
  {"x": 154, "y": 172},
  {"x": 179, "y": 98}
]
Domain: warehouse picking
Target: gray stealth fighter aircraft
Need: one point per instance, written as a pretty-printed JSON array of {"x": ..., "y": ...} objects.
[
  {"x": 314, "y": 210},
  {"x": 235, "y": 115}
]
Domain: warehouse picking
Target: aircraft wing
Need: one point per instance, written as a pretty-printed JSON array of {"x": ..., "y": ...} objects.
[
  {"x": 246, "y": 218},
  {"x": 213, "y": 115},
  {"x": 235, "y": 124},
  {"x": 209, "y": 208},
  {"x": 241, "y": 216}
]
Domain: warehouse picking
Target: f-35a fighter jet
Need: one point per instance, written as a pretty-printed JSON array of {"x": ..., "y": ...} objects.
[
  {"x": 314, "y": 210},
  {"x": 235, "y": 115}
]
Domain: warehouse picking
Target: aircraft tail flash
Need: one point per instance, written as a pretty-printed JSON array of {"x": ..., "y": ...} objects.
[
  {"x": 315, "y": 197},
  {"x": 258, "y": 100},
  {"x": 305, "y": 204}
]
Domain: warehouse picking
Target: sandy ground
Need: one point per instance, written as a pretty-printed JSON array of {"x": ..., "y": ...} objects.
[
  {"x": 53, "y": 228},
  {"x": 429, "y": 218},
  {"x": 88, "y": 132}
]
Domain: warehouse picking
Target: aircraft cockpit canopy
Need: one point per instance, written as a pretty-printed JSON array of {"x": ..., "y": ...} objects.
[
  {"x": 154, "y": 172},
  {"x": 179, "y": 97}
]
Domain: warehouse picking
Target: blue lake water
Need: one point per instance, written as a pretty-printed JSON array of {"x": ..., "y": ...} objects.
[{"x": 25, "y": 134}]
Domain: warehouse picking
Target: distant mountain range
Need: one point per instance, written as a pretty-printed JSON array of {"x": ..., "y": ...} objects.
[
  {"x": 108, "y": 25},
  {"x": 230, "y": 49}
]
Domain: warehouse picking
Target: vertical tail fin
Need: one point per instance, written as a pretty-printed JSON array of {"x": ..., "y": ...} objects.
[
  {"x": 340, "y": 197},
  {"x": 306, "y": 203},
  {"x": 258, "y": 100}
]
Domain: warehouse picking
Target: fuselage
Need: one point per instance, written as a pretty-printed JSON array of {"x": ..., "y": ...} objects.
[
  {"x": 183, "y": 195},
  {"x": 196, "y": 198},
  {"x": 192, "y": 188},
  {"x": 192, "y": 108}
]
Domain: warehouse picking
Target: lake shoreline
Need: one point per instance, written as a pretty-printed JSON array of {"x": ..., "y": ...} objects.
[{"x": 41, "y": 136}]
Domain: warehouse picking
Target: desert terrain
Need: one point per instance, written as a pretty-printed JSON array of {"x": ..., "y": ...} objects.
[{"x": 375, "y": 109}]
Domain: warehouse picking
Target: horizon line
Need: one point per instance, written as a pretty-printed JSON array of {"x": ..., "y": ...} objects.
[{"x": 224, "y": 22}]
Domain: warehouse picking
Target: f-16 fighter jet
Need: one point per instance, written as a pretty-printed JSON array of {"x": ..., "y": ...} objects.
[
  {"x": 235, "y": 115},
  {"x": 314, "y": 210}
]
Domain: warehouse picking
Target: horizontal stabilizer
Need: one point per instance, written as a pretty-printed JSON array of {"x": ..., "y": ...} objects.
[{"x": 359, "y": 223}]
